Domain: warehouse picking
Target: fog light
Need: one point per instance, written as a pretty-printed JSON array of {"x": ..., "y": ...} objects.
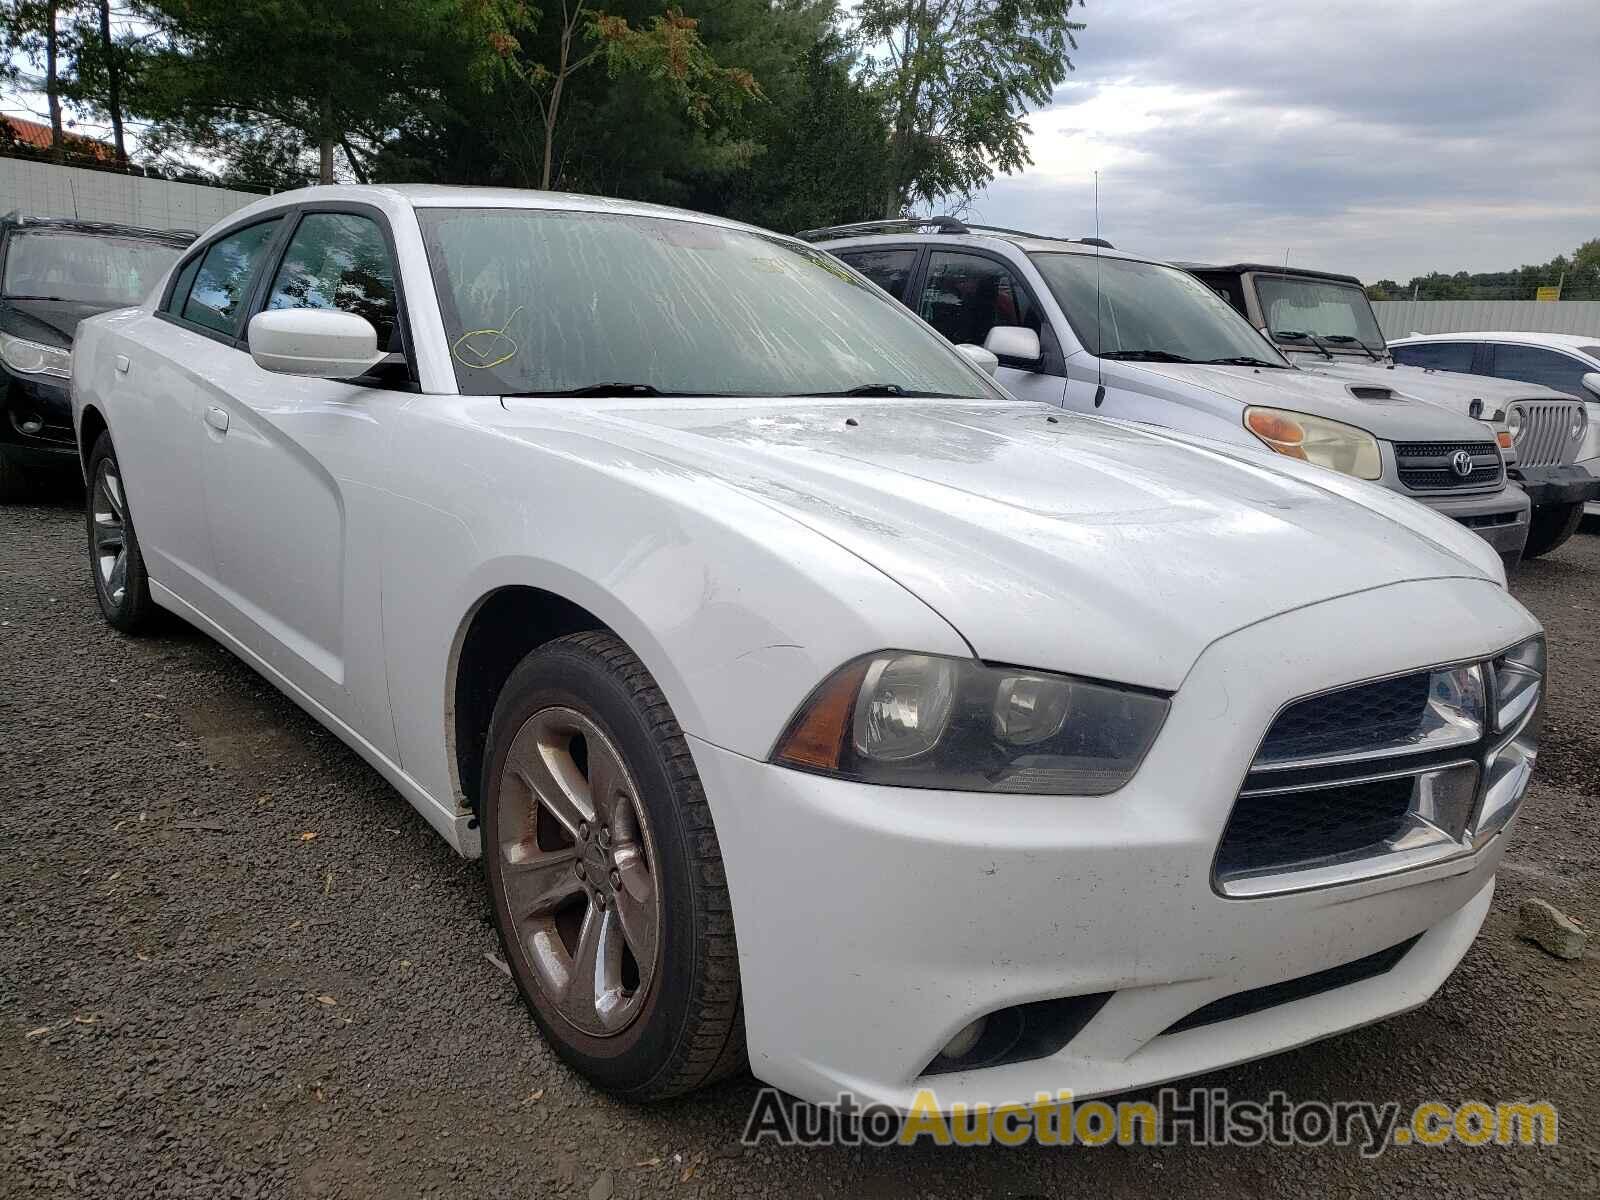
[
  {"x": 32, "y": 424},
  {"x": 963, "y": 1043}
]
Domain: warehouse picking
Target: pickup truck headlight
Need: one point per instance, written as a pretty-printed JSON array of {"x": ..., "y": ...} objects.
[
  {"x": 1317, "y": 440},
  {"x": 33, "y": 358},
  {"x": 920, "y": 720}
]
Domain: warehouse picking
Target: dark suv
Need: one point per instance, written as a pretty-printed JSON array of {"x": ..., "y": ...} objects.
[{"x": 53, "y": 273}]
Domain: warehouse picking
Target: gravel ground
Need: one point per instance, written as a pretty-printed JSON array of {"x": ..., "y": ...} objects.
[{"x": 234, "y": 963}]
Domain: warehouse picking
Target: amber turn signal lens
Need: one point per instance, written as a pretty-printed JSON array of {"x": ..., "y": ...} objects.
[
  {"x": 817, "y": 740},
  {"x": 1505, "y": 439},
  {"x": 1282, "y": 433}
]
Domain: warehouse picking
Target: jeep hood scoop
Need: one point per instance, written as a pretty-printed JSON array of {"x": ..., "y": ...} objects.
[{"x": 1047, "y": 540}]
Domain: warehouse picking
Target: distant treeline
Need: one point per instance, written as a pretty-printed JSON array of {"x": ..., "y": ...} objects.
[{"x": 1577, "y": 275}]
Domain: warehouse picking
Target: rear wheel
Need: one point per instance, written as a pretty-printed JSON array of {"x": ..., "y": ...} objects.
[
  {"x": 605, "y": 874},
  {"x": 1550, "y": 526},
  {"x": 120, "y": 582}
]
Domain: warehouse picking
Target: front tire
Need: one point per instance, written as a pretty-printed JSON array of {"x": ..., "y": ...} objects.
[
  {"x": 121, "y": 584},
  {"x": 605, "y": 874},
  {"x": 1550, "y": 526}
]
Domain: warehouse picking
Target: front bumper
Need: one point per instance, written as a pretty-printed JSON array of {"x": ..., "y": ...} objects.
[
  {"x": 875, "y": 923},
  {"x": 1570, "y": 484},
  {"x": 1500, "y": 518},
  {"x": 36, "y": 421}
]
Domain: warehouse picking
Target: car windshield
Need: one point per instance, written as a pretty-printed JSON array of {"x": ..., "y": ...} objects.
[
  {"x": 542, "y": 301},
  {"x": 1336, "y": 312},
  {"x": 1149, "y": 312},
  {"x": 90, "y": 268}
]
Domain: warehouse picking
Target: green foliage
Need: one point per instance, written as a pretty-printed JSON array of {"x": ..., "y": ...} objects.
[
  {"x": 957, "y": 78},
  {"x": 1578, "y": 277}
]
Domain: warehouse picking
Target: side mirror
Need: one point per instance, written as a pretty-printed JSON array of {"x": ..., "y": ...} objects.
[
  {"x": 980, "y": 357},
  {"x": 322, "y": 343},
  {"x": 1013, "y": 341},
  {"x": 1591, "y": 384}
]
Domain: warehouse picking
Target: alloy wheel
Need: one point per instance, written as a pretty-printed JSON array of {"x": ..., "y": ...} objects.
[
  {"x": 110, "y": 519},
  {"x": 577, "y": 871}
]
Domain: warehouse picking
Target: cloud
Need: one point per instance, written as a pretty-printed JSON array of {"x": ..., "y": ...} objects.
[{"x": 1383, "y": 140}]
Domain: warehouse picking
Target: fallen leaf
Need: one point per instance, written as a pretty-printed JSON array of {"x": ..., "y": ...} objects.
[
  {"x": 326, "y": 1000},
  {"x": 308, "y": 836},
  {"x": 86, "y": 1019},
  {"x": 40, "y": 1032}
]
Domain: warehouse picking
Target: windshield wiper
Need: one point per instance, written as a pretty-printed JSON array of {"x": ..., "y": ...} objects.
[
  {"x": 1295, "y": 335},
  {"x": 1242, "y": 360},
  {"x": 886, "y": 389},
  {"x": 1147, "y": 356},
  {"x": 1344, "y": 339},
  {"x": 610, "y": 389}
]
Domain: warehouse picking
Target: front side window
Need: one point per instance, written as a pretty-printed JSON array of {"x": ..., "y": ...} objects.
[
  {"x": 1439, "y": 356},
  {"x": 102, "y": 270},
  {"x": 1335, "y": 312},
  {"x": 1146, "y": 312},
  {"x": 889, "y": 269},
  {"x": 549, "y": 301},
  {"x": 220, "y": 290},
  {"x": 967, "y": 295},
  {"x": 339, "y": 260},
  {"x": 1532, "y": 364}
]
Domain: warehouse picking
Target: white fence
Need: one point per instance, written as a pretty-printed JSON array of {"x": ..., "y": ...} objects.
[
  {"x": 46, "y": 190},
  {"x": 1400, "y": 317}
]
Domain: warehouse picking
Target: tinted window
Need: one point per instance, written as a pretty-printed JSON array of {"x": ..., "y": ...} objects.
[
  {"x": 1142, "y": 311},
  {"x": 88, "y": 268},
  {"x": 540, "y": 300},
  {"x": 1531, "y": 364},
  {"x": 221, "y": 286},
  {"x": 181, "y": 286},
  {"x": 1336, "y": 311},
  {"x": 338, "y": 260},
  {"x": 965, "y": 296},
  {"x": 1441, "y": 356},
  {"x": 889, "y": 269}
]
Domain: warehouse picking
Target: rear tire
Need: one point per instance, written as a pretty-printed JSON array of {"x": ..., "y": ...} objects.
[
  {"x": 1550, "y": 526},
  {"x": 605, "y": 874},
  {"x": 121, "y": 584}
]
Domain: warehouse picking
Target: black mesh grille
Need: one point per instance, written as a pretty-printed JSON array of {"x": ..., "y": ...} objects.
[
  {"x": 1281, "y": 830},
  {"x": 1242, "y": 1004},
  {"x": 1356, "y": 718},
  {"x": 1425, "y": 466}
]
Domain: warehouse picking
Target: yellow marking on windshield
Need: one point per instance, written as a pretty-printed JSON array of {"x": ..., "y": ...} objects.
[{"x": 482, "y": 356}]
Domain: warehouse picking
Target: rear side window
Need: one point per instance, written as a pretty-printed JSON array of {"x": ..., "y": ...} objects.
[
  {"x": 965, "y": 296},
  {"x": 889, "y": 269},
  {"x": 181, "y": 286},
  {"x": 1441, "y": 356},
  {"x": 1532, "y": 364},
  {"x": 221, "y": 285},
  {"x": 339, "y": 260}
]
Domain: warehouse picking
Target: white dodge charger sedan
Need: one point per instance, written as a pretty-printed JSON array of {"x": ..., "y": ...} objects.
[{"x": 812, "y": 702}]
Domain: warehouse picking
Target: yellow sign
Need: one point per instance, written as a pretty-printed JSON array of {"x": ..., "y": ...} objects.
[{"x": 1547, "y": 293}]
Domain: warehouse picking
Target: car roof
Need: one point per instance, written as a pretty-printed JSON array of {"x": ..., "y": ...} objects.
[
  {"x": 1268, "y": 269},
  {"x": 171, "y": 237},
  {"x": 432, "y": 195},
  {"x": 1028, "y": 243},
  {"x": 1564, "y": 340}
]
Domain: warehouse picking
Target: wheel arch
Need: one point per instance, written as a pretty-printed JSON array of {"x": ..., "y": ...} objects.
[{"x": 90, "y": 426}]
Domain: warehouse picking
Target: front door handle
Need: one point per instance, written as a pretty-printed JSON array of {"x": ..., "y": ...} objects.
[{"x": 217, "y": 419}]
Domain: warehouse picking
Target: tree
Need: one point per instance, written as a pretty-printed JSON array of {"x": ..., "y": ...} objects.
[
  {"x": 957, "y": 78},
  {"x": 336, "y": 78},
  {"x": 666, "y": 48}
]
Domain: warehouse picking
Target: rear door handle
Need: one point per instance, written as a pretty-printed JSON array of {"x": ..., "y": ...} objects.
[
  {"x": 123, "y": 364},
  {"x": 217, "y": 419}
]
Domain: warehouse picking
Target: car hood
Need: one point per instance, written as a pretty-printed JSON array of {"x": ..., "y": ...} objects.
[
  {"x": 1384, "y": 412},
  {"x": 1050, "y": 540},
  {"x": 1452, "y": 388},
  {"x": 48, "y": 322}
]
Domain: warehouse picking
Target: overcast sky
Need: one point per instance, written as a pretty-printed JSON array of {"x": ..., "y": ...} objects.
[{"x": 1381, "y": 139}]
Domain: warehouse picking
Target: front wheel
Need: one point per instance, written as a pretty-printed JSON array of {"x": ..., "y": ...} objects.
[
  {"x": 605, "y": 874},
  {"x": 1550, "y": 526},
  {"x": 120, "y": 582}
]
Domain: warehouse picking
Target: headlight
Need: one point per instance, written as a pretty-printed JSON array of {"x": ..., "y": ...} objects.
[
  {"x": 1514, "y": 422},
  {"x": 919, "y": 720},
  {"x": 1518, "y": 677},
  {"x": 1580, "y": 423},
  {"x": 31, "y": 358},
  {"x": 1317, "y": 440}
]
